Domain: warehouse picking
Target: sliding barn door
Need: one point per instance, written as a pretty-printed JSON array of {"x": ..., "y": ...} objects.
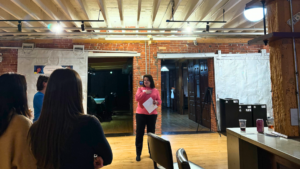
[
  {"x": 198, "y": 91},
  {"x": 179, "y": 88},
  {"x": 191, "y": 90},
  {"x": 203, "y": 86}
]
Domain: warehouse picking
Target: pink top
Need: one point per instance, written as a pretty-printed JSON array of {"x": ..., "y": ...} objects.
[{"x": 141, "y": 97}]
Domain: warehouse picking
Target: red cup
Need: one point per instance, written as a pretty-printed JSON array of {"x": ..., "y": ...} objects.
[{"x": 260, "y": 125}]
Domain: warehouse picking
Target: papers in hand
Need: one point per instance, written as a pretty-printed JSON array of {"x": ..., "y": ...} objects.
[{"x": 149, "y": 106}]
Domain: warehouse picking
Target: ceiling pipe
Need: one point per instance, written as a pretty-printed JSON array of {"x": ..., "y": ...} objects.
[
  {"x": 141, "y": 29},
  {"x": 131, "y": 33}
]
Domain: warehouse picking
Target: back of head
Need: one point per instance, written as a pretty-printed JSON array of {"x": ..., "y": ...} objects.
[
  {"x": 61, "y": 107},
  {"x": 40, "y": 82},
  {"x": 13, "y": 98}
]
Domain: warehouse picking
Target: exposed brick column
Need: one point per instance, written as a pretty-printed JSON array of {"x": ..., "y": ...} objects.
[{"x": 211, "y": 83}]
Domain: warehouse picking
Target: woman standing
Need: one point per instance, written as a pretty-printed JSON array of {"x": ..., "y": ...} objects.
[
  {"x": 14, "y": 123},
  {"x": 63, "y": 137},
  {"x": 143, "y": 117}
]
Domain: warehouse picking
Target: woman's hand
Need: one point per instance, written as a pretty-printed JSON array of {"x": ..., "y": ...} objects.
[
  {"x": 148, "y": 91},
  {"x": 155, "y": 102},
  {"x": 98, "y": 162}
]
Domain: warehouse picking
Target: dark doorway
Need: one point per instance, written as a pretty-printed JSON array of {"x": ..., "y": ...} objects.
[
  {"x": 110, "y": 94},
  {"x": 182, "y": 89}
]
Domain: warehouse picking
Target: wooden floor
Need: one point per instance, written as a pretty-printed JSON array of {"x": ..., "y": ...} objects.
[
  {"x": 174, "y": 122},
  {"x": 121, "y": 123},
  {"x": 208, "y": 150}
]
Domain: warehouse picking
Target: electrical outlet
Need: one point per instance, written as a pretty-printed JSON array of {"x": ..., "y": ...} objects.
[{"x": 294, "y": 117}]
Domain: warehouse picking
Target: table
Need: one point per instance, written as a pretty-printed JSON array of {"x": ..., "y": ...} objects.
[
  {"x": 253, "y": 150},
  {"x": 99, "y": 100}
]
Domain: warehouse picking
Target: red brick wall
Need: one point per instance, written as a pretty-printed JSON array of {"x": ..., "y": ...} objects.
[
  {"x": 9, "y": 63},
  {"x": 9, "y": 60},
  {"x": 211, "y": 83}
]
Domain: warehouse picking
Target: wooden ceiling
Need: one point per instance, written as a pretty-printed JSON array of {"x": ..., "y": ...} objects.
[{"x": 124, "y": 13}]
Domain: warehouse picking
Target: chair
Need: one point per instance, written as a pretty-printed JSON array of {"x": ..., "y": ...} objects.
[
  {"x": 161, "y": 152},
  {"x": 183, "y": 162},
  {"x": 91, "y": 105}
]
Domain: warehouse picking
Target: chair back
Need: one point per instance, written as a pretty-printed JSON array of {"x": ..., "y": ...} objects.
[
  {"x": 182, "y": 160},
  {"x": 160, "y": 151},
  {"x": 91, "y": 104}
]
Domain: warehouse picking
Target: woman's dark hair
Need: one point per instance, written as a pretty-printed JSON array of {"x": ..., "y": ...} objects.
[
  {"x": 61, "y": 108},
  {"x": 13, "y": 99},
  {"x": 40, "y": 82},
  {"x": 152, "y": 85}
]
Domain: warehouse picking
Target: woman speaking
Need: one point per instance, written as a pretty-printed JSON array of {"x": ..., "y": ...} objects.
[{"x": 143, "y": 117}]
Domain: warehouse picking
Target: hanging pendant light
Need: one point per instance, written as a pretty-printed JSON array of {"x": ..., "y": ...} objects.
[{"x": 164, "y": 69}]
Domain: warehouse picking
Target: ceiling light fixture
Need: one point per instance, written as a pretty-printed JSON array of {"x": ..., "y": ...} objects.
[
  {"x": 57, "y": 28},
  {"x": 188, "y": 28},
  {"x": 164, "y": 69},
  {"x": 20, "y": 26},
  {"x": 256, "y": 11},
  {"x": 207, "y": 27},
  {"x": 82, "y": 26},
  {"x": 254, "y": 14}
]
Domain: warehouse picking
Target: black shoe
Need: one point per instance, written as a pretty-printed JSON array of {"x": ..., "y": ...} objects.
[{"x": 138, "y": 158}]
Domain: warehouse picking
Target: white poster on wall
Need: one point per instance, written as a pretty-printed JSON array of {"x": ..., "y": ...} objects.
[
  {"x": 246, "y": 78},
  {"x": 33, "y": 63}
]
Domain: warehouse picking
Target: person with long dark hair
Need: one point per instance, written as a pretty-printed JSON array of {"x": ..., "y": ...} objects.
[
  {"x": 63, "y": 137},
  {"x": 14, "y": 123},
  {"x": 143, "y": 117},
  {"x": 38, "y": 98}
]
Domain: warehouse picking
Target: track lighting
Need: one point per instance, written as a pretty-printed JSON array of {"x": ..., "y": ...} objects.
[
  {"x": 207, "y": 27},
  {"x": 20, "y": 26},
  {"x": 188, "y": 28},
  {"x": 82, "y": 26}
]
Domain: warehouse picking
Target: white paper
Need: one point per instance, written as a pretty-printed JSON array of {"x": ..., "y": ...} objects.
[{"x": 149, "y": 106}]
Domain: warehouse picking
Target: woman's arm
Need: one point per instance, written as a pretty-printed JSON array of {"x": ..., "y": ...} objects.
[
  {"x": 139, "y": 95},
  {"x": 99, "y": 143},
  {"x": 158, "y": 98}
]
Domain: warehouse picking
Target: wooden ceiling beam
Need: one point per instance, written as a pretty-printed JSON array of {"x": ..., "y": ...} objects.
[
  {"x": 52, "y": 11},
  {"x": 103, "y": 11},
  {"x": 87, "y": 12},
  {"x": 155, "y": 7},
  {"x": 206, "y": 9},
  {"x": 68, "y": 10},
  {"x": 33, "y": 10},
  {"x": 120, "y": 6},
  {"x": 194, "y": 4},
  {"x": 233, "y": 9},
  {"x": 190, "y": 11},
  {"x": 177, "y": 4},
  {"x": 10, "y": 8},
  {"x": 139, "y": 12}
]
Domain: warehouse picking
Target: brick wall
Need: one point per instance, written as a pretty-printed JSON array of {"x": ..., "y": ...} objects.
[{"x": 9, "y": 63}]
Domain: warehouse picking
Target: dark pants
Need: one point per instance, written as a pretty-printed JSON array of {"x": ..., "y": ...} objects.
[{"x": 143, "y": 120}]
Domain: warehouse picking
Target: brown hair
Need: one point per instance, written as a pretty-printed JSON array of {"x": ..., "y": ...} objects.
[
  {"x": 61, "y": 108},
  {"x": 152, "y": 85},
  {"x": 13, "y": 99},
  {"x": 40, "y": 82}
]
